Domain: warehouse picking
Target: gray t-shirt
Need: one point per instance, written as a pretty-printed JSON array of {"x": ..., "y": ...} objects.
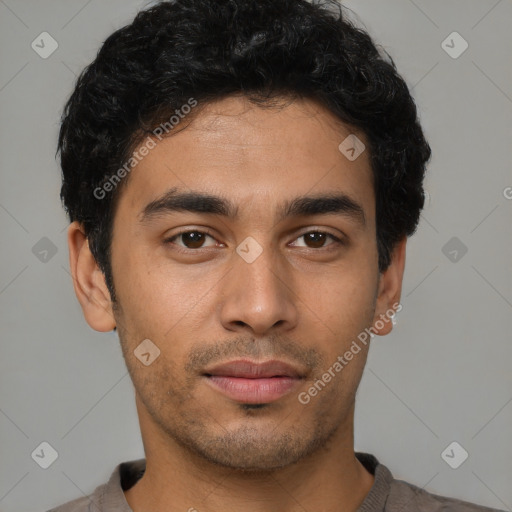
[{"x": 386, "y": 494}]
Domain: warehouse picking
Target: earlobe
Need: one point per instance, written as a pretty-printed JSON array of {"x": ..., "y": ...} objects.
[
  {"x": 390, "y": 290},
  {"x": 89, "y": 281}
]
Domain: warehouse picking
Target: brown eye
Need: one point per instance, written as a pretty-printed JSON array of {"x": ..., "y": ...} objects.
[
  {"x": 193, "y": 239},
  {"x": 190, "y": 239},
  {"x": 317, "y": 240}
]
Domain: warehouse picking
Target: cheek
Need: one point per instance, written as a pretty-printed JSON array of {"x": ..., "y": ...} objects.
[
  {"x": 342, "y": 300},
  {"x": 166, "y": 306},
  {"x": 333, "y": 388},
  {"x": 152, "y": 294},
  {"x": 338, "y": 311}
]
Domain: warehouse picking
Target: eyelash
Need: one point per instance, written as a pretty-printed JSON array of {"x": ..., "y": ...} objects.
[{"x": 337, "y": 241}]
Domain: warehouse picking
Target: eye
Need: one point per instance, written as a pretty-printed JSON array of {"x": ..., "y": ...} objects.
[
  {"x": 195, "y": 239},
  {"x": 192, "y": 239},
  {"x": 317, "y": 239}
]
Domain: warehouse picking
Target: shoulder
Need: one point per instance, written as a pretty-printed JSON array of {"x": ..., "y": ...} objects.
[
  {"x": 110, "y": 495},
  {"x": 83, "y": 504},
  {"x": 404, "y": 496}
]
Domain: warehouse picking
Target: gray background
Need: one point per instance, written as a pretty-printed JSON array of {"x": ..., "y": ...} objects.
[{"x": 443, "y": 375}]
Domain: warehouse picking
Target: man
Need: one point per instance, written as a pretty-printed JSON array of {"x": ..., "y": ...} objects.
[{"x": 241, "y": 179}]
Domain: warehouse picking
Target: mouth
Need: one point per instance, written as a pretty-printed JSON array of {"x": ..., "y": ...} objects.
[{"x": 249, "y": 382}]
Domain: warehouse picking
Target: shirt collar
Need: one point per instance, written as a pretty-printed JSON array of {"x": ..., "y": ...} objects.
[{"x": 126, "y": 475}]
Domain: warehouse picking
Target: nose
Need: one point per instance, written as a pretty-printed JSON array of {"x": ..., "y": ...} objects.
[{"x": 258, "y": 296}]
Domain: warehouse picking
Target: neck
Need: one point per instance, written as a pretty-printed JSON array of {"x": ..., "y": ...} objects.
[{"x": 330, "y": 479}]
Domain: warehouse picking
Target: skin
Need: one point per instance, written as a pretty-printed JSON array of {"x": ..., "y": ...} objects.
[{"x": 301, "y": 301}]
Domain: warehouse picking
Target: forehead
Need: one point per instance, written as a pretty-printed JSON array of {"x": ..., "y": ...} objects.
[{"x": 239, "y": 150}]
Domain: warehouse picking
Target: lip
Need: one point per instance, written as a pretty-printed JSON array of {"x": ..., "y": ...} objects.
[{"x": 254, "y": 382}]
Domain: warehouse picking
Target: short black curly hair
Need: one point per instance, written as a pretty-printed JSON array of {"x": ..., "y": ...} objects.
[{"x": 263, "y": 49}]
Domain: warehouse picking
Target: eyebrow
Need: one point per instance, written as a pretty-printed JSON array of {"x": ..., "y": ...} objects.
[{"x": 197, "y": 202}]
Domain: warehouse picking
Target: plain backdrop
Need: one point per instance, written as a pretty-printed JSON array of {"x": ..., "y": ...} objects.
[{"x": 443, "y": 375}]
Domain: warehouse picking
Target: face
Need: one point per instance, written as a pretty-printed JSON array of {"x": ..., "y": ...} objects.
[{"x": 218, "y": 256}]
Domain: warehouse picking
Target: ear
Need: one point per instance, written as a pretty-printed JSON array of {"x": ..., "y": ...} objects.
[
  {"x": 89, "y": 282},
  {"x": 390, "y": 290}
]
